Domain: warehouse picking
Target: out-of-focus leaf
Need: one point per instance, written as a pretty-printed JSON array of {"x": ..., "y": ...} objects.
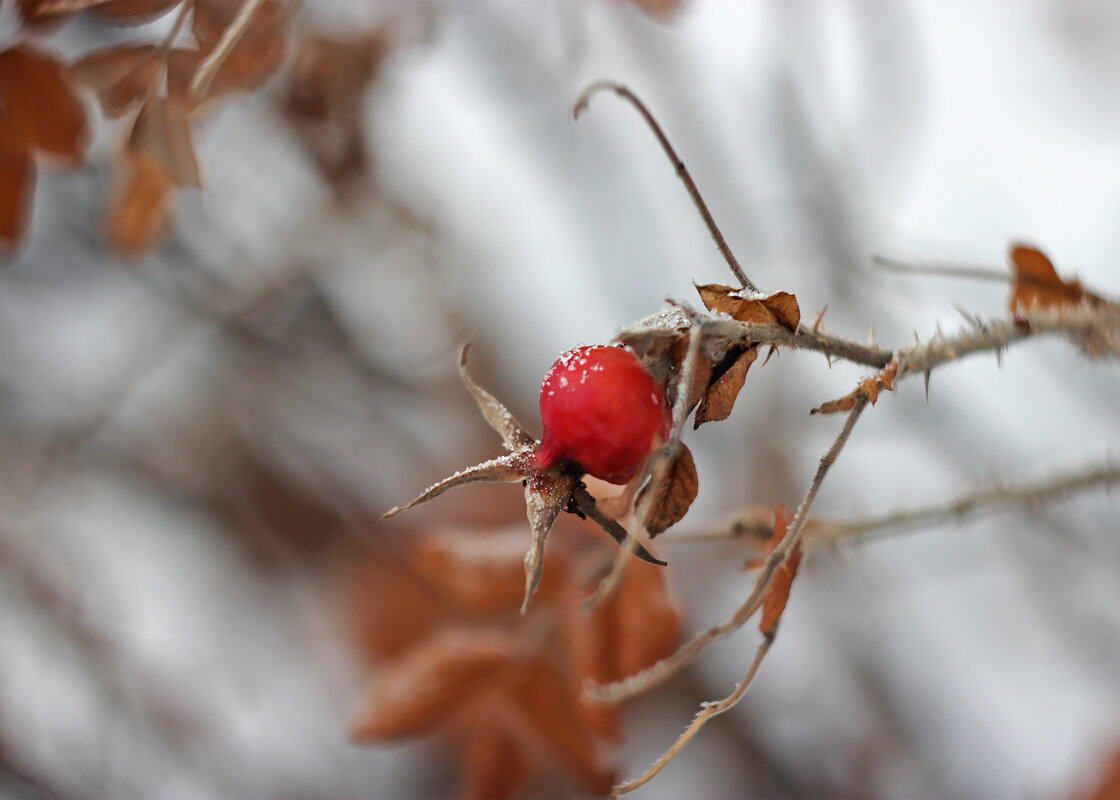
[
  {"x": 1035, "y": 283},
  {"x": 259, "y": 52},
  {"x": 38, "y": 110},
  {"x": 138, "y": 213},
  {"x": 546, "y": 701},
  {"x": 17, "y": 186},
  {"x": 422, "y": 686},
  {"x": 162, "y": 132},
  {"x": 122, "y": 77},
  {"x": 494, "y": 767}
]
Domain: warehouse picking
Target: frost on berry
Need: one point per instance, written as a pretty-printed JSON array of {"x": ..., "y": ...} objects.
[
  {"x": 602, "y": 412},
  {"x": 551, "y": 486}
]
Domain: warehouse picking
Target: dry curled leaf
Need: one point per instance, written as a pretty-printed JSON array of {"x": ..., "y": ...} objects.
[
  {"x": 777, "y": 593},
  {"x": 1035, "y": 283},
  {"x": 779, "y": 307},
  {"x": 720, "y": 395},
  {"x": 674, "y": 494},
  {"x": 869, "y": 388}
]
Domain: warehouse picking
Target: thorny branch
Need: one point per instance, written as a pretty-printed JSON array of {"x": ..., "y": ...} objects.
[
  {"x": 616, "y": 692},
  {"x": 820, "y": 532}
]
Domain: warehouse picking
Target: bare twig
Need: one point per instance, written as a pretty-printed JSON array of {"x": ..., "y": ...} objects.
[
  {"x": 994, "y": 499},
  {"x": 943, "y": 270},
  {"x": 678, "y": 165},
  {"x": 210, "y": 65},
  {"x": 666, "y": 668},
  {"x": 707, "y": 711}
]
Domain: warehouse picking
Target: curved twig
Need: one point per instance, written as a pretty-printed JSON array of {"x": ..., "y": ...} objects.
[{"x": 678, "y": 165}]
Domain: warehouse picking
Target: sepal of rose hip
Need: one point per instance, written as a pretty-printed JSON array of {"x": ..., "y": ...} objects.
[{"x": 600, "y": 407}]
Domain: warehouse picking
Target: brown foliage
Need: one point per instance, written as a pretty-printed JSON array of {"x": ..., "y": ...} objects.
[
  {"x": 259, "y": 52},
  {"x": 137, "y": 213},
  {"x": 1035, "y": 283},
  {"x": 777, "y": 593},
  {"x": 674, "y": 494},
  {"x": 721, "y": 393},
  {"x": 869, "y": 388},
  {"x": 39, "y": 117},
  {"x": 438, "y": 621},
  {"x": 122, "y": 77},
  {"x": 779, "y": 307}
]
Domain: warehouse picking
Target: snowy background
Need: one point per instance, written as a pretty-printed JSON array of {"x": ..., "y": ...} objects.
[{"x": 146, "y": 651}]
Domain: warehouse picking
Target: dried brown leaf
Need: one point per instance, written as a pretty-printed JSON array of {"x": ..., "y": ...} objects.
[
  {"x": 495, "y": 766},
  {"x": 421, "y": 687},
  {"x": 38, "y": 109},
  {"x": 674, "y": 495},
  {"x": 162, "y": 132},
  {"x": 777, "y": 593},
  {"x": 122, "y": 77},
  {"x": 648, "y": 623},
  {"x": 17, "y": 186},
  {"x": 325, "y": 98},
  {"x": 137, "y": 214},
  {"x": 780, "y": 307},
  {"x": 554, "y": 717},
  {"x": 1035, "y": 283},
  {"x": 869, "y": 388},
  {"x": 719, "y": 398}
]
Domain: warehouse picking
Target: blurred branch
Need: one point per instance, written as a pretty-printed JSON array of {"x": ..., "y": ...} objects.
[{"x": 758, "y": 523}]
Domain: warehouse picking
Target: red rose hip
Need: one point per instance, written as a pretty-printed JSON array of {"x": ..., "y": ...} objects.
[{"x": 602, "y": 412}]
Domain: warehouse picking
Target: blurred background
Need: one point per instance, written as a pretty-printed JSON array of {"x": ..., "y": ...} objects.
[{"x": 202, "y": 422}]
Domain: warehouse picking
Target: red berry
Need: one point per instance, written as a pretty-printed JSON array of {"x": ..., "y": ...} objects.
[{"x": 602, "y": 412}]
